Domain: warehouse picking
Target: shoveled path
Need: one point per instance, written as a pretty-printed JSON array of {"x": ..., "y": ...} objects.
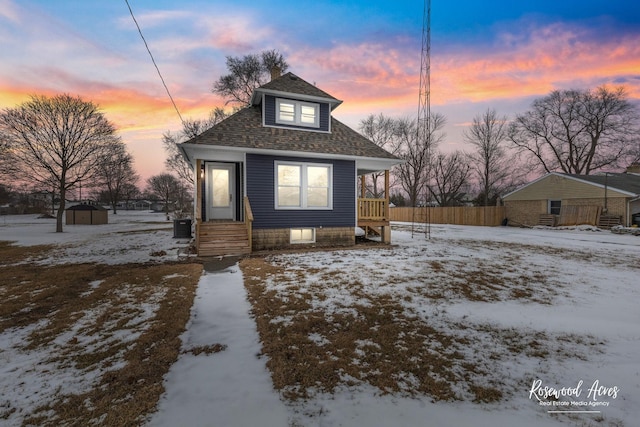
[{"x": 229, "y": 388}]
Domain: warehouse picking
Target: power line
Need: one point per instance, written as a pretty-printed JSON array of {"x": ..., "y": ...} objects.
[{"x": 154, "y": 63}]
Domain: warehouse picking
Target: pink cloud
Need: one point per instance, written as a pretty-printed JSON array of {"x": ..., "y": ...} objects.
[
  {"x": 554, "y": 57},
  {"x": 518, "y": 66}
]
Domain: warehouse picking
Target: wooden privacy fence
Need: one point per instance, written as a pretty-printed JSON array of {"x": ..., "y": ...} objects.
[
  {"x": 577, "y": 215},
  {"x": 459, "y": 215}
]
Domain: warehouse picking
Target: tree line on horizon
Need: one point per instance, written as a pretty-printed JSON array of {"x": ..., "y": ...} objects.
[{"x": 62, "y": 142}]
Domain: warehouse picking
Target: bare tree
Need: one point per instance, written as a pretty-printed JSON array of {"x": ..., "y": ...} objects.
[
  {"x": 414, "y": 173},
  {"x": 175, "y": 161},
  {"x": 489, "y": 159},
  {"x": 6, "y": 166},
  {"x": 166, "y": 188},
  {"x": 56, "y": 142},
  {"x": 115, "y": 173},
  {"x": 578, "y": 132},
  {"x": 130, "y": 192},
  {"x": 381, "y": 130},
  {"x": 246, "y": 74},
  {"x": 450, "y": 174}
]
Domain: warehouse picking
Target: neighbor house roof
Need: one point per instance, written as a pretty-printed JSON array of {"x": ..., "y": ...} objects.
[
  {"x": 244, "y": 129},
  {"x": 628, "y": 183}
]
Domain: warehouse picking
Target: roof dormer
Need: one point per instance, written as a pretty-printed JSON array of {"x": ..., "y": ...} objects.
[{"x": 290, "y": 102}]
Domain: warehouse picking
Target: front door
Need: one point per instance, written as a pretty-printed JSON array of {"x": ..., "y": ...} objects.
[{"x": 221, "y": 190}]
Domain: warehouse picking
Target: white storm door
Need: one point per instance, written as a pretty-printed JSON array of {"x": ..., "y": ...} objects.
[{"x": 221, "y": 190}]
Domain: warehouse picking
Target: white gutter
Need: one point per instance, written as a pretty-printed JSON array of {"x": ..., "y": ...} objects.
[{"x": 372, "y": 164}]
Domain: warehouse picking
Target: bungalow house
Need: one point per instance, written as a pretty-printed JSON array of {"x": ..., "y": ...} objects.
[
  {"x": 565, "y": 199},
  {"x": 283, "y": 172}
]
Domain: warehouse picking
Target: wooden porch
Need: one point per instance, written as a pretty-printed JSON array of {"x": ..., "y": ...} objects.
[{"x": 373, "y": 214}]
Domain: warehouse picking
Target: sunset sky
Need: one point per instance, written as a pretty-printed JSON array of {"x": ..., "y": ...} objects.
[{"x": 489, "y": 54}]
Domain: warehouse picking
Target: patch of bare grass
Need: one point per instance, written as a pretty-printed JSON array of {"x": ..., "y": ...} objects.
[
  {"x": 314, "y": 351},
  {"x": 118, "y": 325},
  {"x": 325, "y": 329},
  {"x": 11, "y": 254},
  {"x": 485, "y": 281},
  {"x": 206, "y": 349}
]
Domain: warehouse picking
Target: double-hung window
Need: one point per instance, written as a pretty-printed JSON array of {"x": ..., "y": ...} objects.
[
  {"x": 297, "y": 113},
  {"x": 554, "y": 207},
  {"x": 303, "y": 185}
]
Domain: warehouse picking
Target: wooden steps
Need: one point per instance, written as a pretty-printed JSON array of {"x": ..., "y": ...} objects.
[
  {"x": 548, "y": 220},
  {"x": 223, "y": 239},
  {"x": 608, "y": 221}
]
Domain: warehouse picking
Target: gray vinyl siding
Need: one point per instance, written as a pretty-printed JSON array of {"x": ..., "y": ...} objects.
[
  {"x": 261, "y": 192},
  {"x": 270, "y": 115}
]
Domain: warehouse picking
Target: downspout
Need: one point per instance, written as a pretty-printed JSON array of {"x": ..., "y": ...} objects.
[
  {"x": 629, "y": 215},
  {"x": 357, "y": 205}
]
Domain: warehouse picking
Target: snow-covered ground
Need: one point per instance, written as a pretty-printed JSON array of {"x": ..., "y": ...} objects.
[
  {"x": 130, "y": 236},
  {"x": 597, "y": 296},
  {"x": 597, "y": 273}
]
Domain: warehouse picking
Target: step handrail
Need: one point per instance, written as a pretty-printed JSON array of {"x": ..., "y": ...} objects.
[{"x": 248, "y": 220}]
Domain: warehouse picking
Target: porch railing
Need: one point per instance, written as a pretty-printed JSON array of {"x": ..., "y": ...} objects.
[
  {"x": 248, "y": 219},
  {"x": 372, "y": 209}
]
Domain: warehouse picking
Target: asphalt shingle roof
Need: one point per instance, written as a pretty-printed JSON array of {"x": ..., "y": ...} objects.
[
  {"x": 621, "y": 181},
  {"x": 291, "y": 83},
  {"x": 244, "y": 129}
]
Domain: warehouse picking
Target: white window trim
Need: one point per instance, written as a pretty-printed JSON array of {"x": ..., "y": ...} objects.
[
  {"x": 549, "y": 205},
  {"x": 303, "y": 186},
  {"x": 295, "y": 242},
  {"x": 297, "y": 113}
]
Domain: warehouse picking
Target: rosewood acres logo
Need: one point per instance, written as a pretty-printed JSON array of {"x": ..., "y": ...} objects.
[{"x": 573, "y": 399}]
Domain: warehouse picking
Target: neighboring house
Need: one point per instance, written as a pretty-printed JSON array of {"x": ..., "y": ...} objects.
[
  {"x": 283, "y": 172},
  {"x": 138, "y": 205},
  {"x": 563, "y": 199}
]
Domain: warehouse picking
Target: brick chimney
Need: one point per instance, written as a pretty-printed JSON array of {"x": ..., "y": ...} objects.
[
  {"x": 275, "y": 72},
  {"x": 634, "y": 168}
]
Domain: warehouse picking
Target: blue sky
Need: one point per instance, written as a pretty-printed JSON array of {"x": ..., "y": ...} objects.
[{"x": 486, "y": 54}]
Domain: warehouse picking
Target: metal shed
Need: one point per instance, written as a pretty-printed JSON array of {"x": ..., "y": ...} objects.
[{"x": 86, "y": 215}]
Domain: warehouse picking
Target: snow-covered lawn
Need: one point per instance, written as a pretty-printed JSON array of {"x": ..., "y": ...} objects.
[
  {"x": 466, "y": 328},
  {"x": 130, "y": 236},
  {"x": 89, "y": 319}
]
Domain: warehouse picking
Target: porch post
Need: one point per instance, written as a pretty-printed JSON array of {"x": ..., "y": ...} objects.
[
  {"x": 386, "y": 230},
  {"x": 198, "y": 200},
  {"x": 363, "y": 188},
  {"x": 386, "y": 195}
]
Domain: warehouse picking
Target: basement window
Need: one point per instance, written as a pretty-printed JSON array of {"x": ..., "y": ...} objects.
[{"x": 303, "y": 235}]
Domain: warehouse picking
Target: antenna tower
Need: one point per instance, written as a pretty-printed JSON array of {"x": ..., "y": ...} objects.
[{"x": 424, "y": 109}]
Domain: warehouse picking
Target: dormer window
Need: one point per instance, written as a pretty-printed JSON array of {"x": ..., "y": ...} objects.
[{"x": 299, "y": 113}]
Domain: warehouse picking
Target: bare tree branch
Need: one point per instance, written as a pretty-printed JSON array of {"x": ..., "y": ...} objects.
[
  {"x": 115, "y": 174},
  {"x": 175, "y": 161},
  {"x": 450, "y": 174},
  {"x": 246, "y": 74},
  {"x": 578, "y": 132},
  {"x": 55, "y": 142}
]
